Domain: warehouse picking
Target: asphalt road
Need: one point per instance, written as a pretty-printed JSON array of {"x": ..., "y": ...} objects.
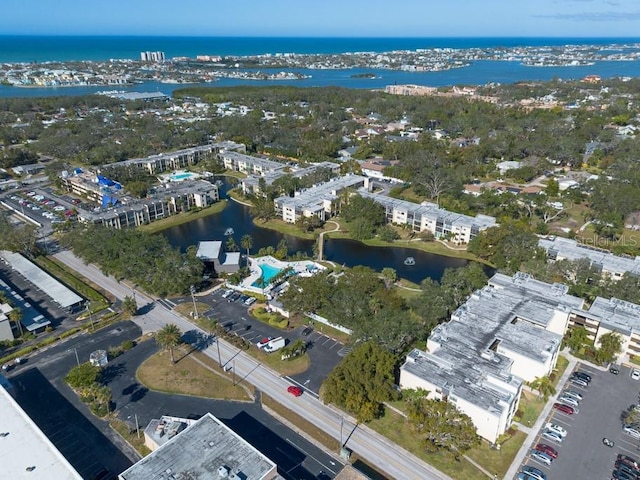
[
  {"x": 85, "y": 441},
  {"x": 369, "y": 445}
]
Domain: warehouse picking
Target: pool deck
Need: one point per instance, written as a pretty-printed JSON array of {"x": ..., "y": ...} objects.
[{"x": 299, "y": 267}]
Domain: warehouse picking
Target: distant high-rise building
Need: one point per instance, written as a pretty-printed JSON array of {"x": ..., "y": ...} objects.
[{"x": 152, "y": 56}]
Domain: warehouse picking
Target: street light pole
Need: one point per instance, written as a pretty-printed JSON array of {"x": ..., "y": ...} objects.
[
  {"x": 90, "y": 317},
  {"x": 192, "y": 289},
  {"x": 76, "y": 352}
]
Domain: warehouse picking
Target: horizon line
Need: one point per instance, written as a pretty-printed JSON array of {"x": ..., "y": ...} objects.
[{"x": 314, "y": 36}]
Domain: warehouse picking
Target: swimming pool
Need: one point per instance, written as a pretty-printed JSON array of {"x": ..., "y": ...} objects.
[
  {"x": 268, "y": 272},
  {"x": 181, "y": 176}
]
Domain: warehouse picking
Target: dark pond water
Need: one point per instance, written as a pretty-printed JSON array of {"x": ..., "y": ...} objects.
[{"x": 344, "y": 252}]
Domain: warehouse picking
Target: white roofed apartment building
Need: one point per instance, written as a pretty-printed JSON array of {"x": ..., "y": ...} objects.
[{"x": 505, "y": 334}]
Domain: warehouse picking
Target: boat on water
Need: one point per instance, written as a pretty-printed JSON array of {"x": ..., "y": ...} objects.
[
  {"x": 228, "y": 231},
  {"x": 409, "y": 261}
]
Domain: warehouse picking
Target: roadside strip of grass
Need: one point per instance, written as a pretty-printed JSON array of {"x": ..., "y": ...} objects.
[
  {"x": 130, "y": 436},
  {"x": 561, "y": 366},
  {"x": 188, "y": 376},
  {"x": 530, "y": 407},
  {"x": 179, "y": 219},
  {"x": 302, "y": 424},
  {"x": 394, "y": 427},
  {"x": 96, "y": 295}
]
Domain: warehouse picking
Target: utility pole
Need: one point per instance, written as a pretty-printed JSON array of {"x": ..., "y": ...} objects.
[
  {"x": 90, "y": 317},
  {"x": 76, "y": 352},
  {"x": 192, "y": 289}
]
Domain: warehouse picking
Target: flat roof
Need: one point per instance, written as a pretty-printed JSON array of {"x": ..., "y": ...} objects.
[
  {"x": 430, "y": 211},
  {"x": 313, "y": 197},
  {"x": 209, "y": 249},
  {"x": 199, "y": 451},
  {"x": 26, "y": 446},
  {"x": 572, "y": 250},
  {"x": 42, "y": 280}
]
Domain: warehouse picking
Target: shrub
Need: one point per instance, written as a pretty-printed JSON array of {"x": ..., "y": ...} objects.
[
  {"x": 127, "y": 345},
  {"x": 84, "y": 375}
]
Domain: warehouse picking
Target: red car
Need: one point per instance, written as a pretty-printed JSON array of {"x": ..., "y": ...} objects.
[
  {"x": 295, "y": 391},
  {"x": 548, "y": 449},
  {"x": 564, "y": 408}
]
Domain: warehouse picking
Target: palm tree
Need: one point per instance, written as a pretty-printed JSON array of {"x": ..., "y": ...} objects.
[
  {"x": 231, "y": 244},
  {"x": 169, "y": 337},
  {"x": 246, "y": 242},
  {"x": 544, "y": 386},
  {"x": 129, "y": 305}
]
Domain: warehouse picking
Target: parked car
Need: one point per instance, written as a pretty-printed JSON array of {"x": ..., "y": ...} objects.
[
  {"x": 628, "y": 459},
  {"x": 234, "y": 297},
  {"x": 561, "y": 407},
  {"x": 525, "y": 476},
  {"x": 275, "y": 344},
  {"x": 572, "y": 394},
  {"x": 635, "y": 374},
  {"x": 622, "y": 465},
  {"x": 633, "y": 432},
  {"x": 307, "y": 331},
  {"x": 556, "y": 428},
  {"x": 295, "y": 391},
  {"x": 243, "y": 298},
  {"x": 534, "y": 472},
  {"x": 263, "y": 342},
  {"x": 548, "y": 449},
  {"x": 572, "y": 402},
  {"x": 614, "y": 369},
  {"x": 541, "y": 457},
  {"x": 227, "y": 293},
  {"x": 550, "y": 435},
  {"x": 584, "y": 376},
  {"x": 578, "y": 381},
  {"x": 250, "y": 301},
  {"x": 623, "y": 474}
]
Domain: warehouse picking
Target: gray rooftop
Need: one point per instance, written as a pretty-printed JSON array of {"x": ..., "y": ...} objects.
[
  {"x": 313, "y": 197},
  {"x": 42, "y": 280},
  {"x": 208, "y": 250},
  {"x": 430, "y": 211},
  {"x": 560, "y": 247},
  {"x": 616, "y": 314},
  {"x": 168, "y": 155},
  {"x": 199, "y": 452},
  {"x": 265, "y": 163},
  {"x": 272, "y": 175}
]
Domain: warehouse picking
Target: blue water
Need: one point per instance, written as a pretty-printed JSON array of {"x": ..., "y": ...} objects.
[
  {"x": 181, "y": 176},
  {"x": 14, "y": 48},
  {"x": 42, "y": 49},
  {"x": 268, "y": 272}
]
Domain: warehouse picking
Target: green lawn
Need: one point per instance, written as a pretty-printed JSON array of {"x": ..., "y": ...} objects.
[
  {"x": 395, "y": 428},
  {"x": 561, "y": 366},
  {"x": 530, "y": 407}
]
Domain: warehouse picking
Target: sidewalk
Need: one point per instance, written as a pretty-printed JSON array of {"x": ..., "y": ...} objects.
[{"x": 532, "y": 432}]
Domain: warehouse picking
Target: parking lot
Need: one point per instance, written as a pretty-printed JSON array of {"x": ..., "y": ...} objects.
[
  {"x": 582, "y": 454},
  {"x": 325, "y": 352}
]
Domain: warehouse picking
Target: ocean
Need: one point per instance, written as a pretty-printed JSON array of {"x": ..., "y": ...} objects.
[{"x": 40, "y": 49}]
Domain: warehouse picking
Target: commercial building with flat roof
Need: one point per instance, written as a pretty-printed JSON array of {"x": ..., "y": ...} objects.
[
  {"x": 459, "y": 228},
  {"x": 25, "y": 452},
  {"x": 506, "y": 333},
  {"x": 205, "y": 449},
  {"x": 615, "y": 266}
]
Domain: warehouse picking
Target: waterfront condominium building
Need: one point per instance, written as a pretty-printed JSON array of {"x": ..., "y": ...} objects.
[
  {"x": 321, "y": 201},
  {"x": 505, "y": 334},
  {"x": 457, "y": 227},
  {"x": 613, "y": 266}
]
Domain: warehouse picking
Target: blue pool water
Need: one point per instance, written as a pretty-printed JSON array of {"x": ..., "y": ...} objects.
[
  {"x": 268, "y": 272},
  {"x": 181, "y": 176}
]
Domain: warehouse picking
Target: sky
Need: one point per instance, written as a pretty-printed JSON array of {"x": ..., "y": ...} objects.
[{"x": 324, "y": 18}]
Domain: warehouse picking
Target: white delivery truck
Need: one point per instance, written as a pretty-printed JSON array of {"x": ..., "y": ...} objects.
[{"x": 275, "y": 344}]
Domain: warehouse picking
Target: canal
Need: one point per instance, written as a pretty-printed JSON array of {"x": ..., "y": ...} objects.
[{"x": 342, "y": 251}]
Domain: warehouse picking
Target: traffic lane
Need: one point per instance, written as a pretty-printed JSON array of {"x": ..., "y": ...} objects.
[
  {"x": 80, "y": 440},
  {"x": 290, "y": 451},
  {"x": 372, "y": 447},
  {"x": 56, "y": 360}
]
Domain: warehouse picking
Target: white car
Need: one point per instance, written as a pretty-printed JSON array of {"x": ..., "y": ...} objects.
[
  {"x": 227, "y": 293},
  {"x": 572, "y": 394},
  {"x": 556, "y": 428},
  {"x": 551, "y": 435},
  {"x": 541, "y": 457},
  {"x": 572, "y": 402},
  {"x": 632, "y": 432},
  {"x": 635, "y": 374}
]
